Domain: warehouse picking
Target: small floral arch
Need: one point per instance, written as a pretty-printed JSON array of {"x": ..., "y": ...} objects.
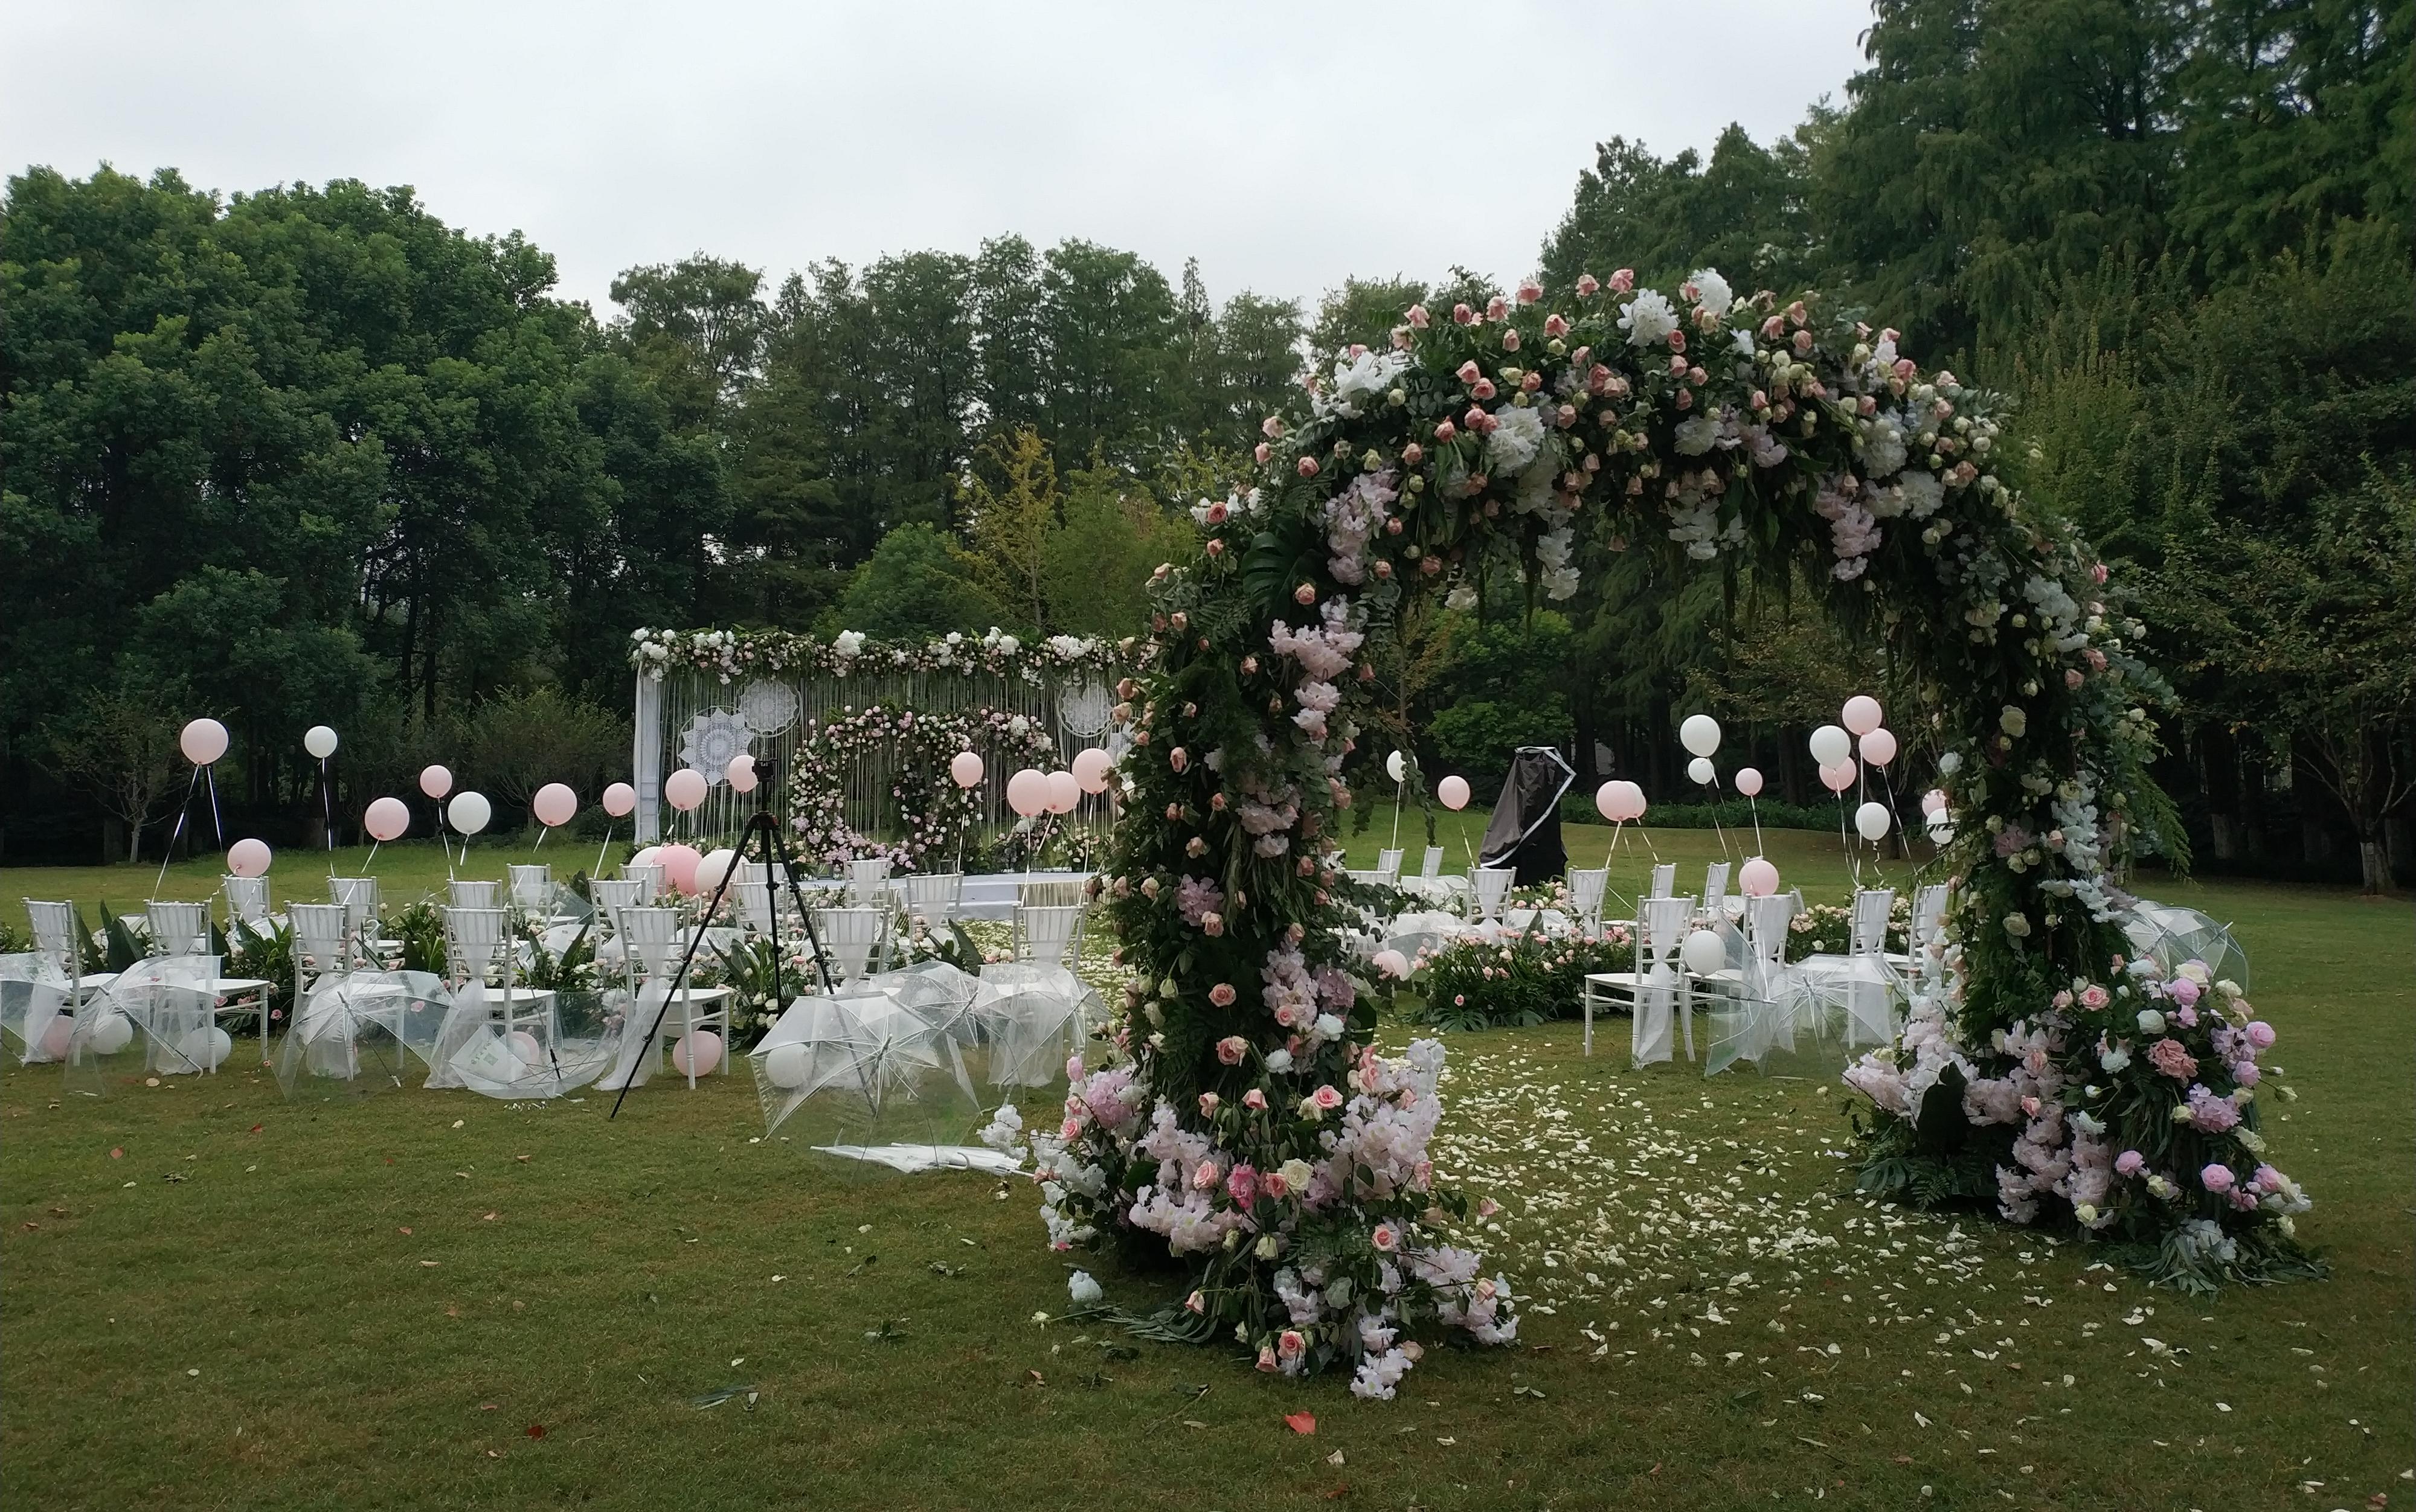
[
  {"x": 1247, "y": 1123},
  {"x": 933, "y": 811}
]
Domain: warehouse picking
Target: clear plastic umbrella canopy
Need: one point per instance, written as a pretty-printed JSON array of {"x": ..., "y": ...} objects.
[
  {"x": 1033, "y": 1018},
  {"x": 886, "y": 1061},
  {"x": 35, "y": 1023},
  {"x": 158, "y": 1018},
  {"x": 530, "y": 1044},
  {"x": 2169, "y": 936},
  {"x": 363, "y": 1032}
]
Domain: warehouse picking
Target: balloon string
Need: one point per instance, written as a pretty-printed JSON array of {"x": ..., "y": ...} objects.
[
  {"x": 1400, "y": 792},
  {"x": 1715, "y": 819},
  {"x": 215, "y": 828},
  {"x": 602, "y": 848},
  {"x": 177, "y": 833},
  {"x": 328, "y": 803},
  {"x": 374, "y": 842},
  {"x": 1759, "y": 848}
]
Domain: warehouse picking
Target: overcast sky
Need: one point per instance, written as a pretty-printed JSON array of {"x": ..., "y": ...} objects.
[{"x": 1284, "y": 146}]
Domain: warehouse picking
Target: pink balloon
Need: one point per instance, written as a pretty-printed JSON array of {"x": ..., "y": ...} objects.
[
  {"x": 555, "y": 804},
  {"x": 1065, "y": 793},
  {"x": 966, "y": 768},
  {"x": 1759, "y": 878},
  {"x": 1027, "y": 793},
  {"x": 435, "y": 781},
  {"x": 1861, "y": 714},
  {"x": 1748, "y": 781},
  {"x": 619, "y": 800},
  {"x": 1453, "y": 791},
  {"x": 1632, "y": 800},
  {"x": 1878, "y": 748},
  {"x": 525, "y": 1047},
  {"x": 1934, "y": 800},
  {"x": 1606, "y": 799},
  {"x": 740, "y": 773},
  {"x": 202, "y": 741},
  {"x": 1392, "y": 964},
  {"x": 696, "y": 1053},
  {"x": 685, "y": 789},
  {"x": 248, "y": 857},
  {"x": 679, "y": 864},
  {"x": 55, "y": 1036},
  {"x": 1091, "y": 770},
  {"x": 1837, "y": 778},
  {"x": 386, "y": 818}
]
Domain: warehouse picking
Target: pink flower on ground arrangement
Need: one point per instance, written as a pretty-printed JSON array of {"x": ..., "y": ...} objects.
[
  {"x": 2172, "y": 1058},
  {"x": 2261, "y": 1034},
  {"x": 2129, "y": 1163},
  {"x": 1327, "y": 1098},
  {"x": 1386, "y": 1238},
  {"x": 1242, "y": 1185}
]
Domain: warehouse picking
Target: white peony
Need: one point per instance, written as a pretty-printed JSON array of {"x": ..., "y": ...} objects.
[
  {"x": 1712, "y": 292},
  {"x": 1697, "y": 436},
  {"x": 1516, "y": 441},
  {"x": 1648, "y": 318},
  {"x": 1083, "y": 1289},
  {"x": 848, "y": 642},
  {"x": 1358, "y": 380}
]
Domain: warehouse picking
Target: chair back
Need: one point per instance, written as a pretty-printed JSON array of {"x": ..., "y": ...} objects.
[
  {"x": 1433, "y": 865},
  {"x": 247, "y": 899},
  {"x": 756, "y": 899},
  {"x": 1766, "y": 928},
  {"x": 650, "y": 940},
  {"x": 612, "y": 894},
  {"x": 1715, "y": 892},
  {"x": 1664, "y": 877},
  {"x": 1663, "y": 928},
  {"x": 179, "y": 928},
  {"x": 319, "y": 930},
  {"x": 1586, "y": 890},
  {"x": 470, "y": 894},
  {"x": 54, "y": 935},
  {"x": 867, "y": 882},
  {"x": 1929, "y": 911},
  {"x": 851, "y": 938},
  {"x": 478, "y": 941},
  {"x": 649, "y": 876},
  {"x": 1049, "y": 935},
  {"x": 532, "y": 888},
  {"x": 1388, "y": 865},
  {"x": 932, "y": 897},
  {"x": 1492, "y": 887},
  {"x": 359, "y": 897},
  {"x": 1056, "y": 892},
  {"x": 1871, "y": 909}
]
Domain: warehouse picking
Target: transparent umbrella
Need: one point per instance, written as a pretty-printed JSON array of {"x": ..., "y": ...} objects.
[
  {"x": 2169, "y": 936},
  {"x": 34, "y": 1014},
  {"x": 876, "y": 1071},
  {"x": 1034, "y": 1017},
  {"x": 363, "y": 1032},
  {"x": 158, "y": 1018}
]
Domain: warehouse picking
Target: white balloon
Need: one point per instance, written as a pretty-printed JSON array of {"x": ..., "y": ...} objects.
[
  {"x": 1703, "y": 952},
  {"x": 710, "y": 871},
  {"x": 1702, "y": 773},
  {"x": 1830, "y": 745},
  {"x": 1700, "y": 734},
  {"x": 203, "y": 741},
  {"x": 1396, "y": 768},
  {"x": 469, "y": 812},
  {"x": 113, "y": 1033},
  {"x": 1872, "y": 820},
  {"x": 1942, "y": 830},
  {"x": 208, "y": 1048},
  {"x": 320, "y": 742},
  {"x": 787, "y": 1065}
]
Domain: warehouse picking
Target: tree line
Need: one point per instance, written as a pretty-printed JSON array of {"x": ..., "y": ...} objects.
[{"x": 309, "y": 454}]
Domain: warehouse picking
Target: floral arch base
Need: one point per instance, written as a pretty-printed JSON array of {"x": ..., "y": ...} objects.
[{"x": 1247, "y": 1126}]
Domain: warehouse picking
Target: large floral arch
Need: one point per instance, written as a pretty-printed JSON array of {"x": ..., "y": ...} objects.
[{"x": 1251, "y": 1128}]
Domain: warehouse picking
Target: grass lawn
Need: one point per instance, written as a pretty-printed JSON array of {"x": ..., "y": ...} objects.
[{"x": 213, "y": 1298}]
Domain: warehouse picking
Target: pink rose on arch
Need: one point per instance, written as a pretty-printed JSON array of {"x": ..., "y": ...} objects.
[
  {"x": 1802, "y": 343},
  {"x": 1483, "y": 388},
  {"x": 1529, "y": 291},
  {"x": 1231, "y": 1048},
  {"x": 1222, "y": 995},
  {"x": 1462, "y": 315},
  {"x": 1468, "y": 372},
  {"x": 1555, "y": 326},
  {"x": 1510, "y": 340},
  {"x": 1623, "y": 281},
  {"x": 2093, "y": 996},
  {"x": 1497, "y": 308},
  {"x": 2261, "y": 1034},
  {"x": 1262, "y": 452},
  {"x": 1267, "y": 1358},
  {"x": 1195, "y": 1303},
  {"x": 2129, "y": 1163},
  {"x": 1677, "y": 340},
  {"x": 1307, "y": 467},
  {"x": 1242, "y": 1185},
  {"x": 1587, "y": 283},
  {"x": 1291, "y": 1344},
  {"x": 1071, "y": 1128},
  {"x": 1327, "y": 1098},
  {"x": 2172, "y": 1058},
  {"x": 1418, "y": 316},
  {"x": 1207, "y": 1178},
  {"x": 2266, "y": 1179},
  {"x": 2216, "y": 1178},
  {"x": 1444, "y": 430},
  {"x": 1386, "y": 1238},
  {"x": 2183, "y": 991},
  {"x": 1255, "y": 1100}
]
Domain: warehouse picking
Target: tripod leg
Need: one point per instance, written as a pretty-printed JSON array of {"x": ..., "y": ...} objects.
[{"x": 688, "y": 958}]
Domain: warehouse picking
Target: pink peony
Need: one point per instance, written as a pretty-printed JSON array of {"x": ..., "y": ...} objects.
[
  {"x": 2170, "y": 1058},
  {"x": 2216, "y": 1178},
  {"x": 2183, "y": 991},
  {"x": 1242, "y": 1185},
  {"x": 2129, "y": 1163},
  {"x": 2261, "y": 1034},
  {"x": 1461, "y": 315}
]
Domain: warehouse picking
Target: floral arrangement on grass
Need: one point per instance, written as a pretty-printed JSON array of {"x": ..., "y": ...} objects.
[
  {"x": 1526, "y": 978},
  {"x": 730, "y": 655},
  {"x": 934, "y": 814},
  {"x": 1757, "y": 432}
]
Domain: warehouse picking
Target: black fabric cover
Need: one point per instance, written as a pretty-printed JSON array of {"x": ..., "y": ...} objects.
[{"x": 1525, "y": 833}]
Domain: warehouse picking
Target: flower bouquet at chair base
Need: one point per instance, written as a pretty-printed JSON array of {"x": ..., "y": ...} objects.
[
  {"x": 881, "y": 1071},
  {"x": 359, "y": 1033}
]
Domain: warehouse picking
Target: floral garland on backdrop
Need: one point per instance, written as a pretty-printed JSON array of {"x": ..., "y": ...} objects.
[
  {"x": 1248, "y": 1124},
  {"x": 933, "y": 813},
  {"x": 732, "y": 653}
]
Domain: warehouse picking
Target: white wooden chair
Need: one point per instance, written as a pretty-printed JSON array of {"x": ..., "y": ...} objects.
[
  {"x": 467, "y": 895},
  {"x": 1388, "y": 867},
  {"x": 1492, "y": 887},
  {"x": 1861, "y": 982},
  {"x": 1715, "y": 892},
  {"x": 649, "y": 876},
  {"x": 652, "y": 946},
  {"x": 532, "y": 888},
  {"x": 1664, "y": 877},
  {"x": 183, "y": 928},
  {"x": 1049, "y": 935},
  {"x": 1929, "y": 913},
  {"x": 1653, "y": 987},
  {"x": 932, "y": 898},
  {"x": 56, "y": 936},
  {"x": 246, "y": 900},
  {"x": 868, "y": 883},
  {"x": 480, "y": 943},
  {"x": 359, "y": 897},
  {"x": 612, "y": 894},
  {"x": 1433, "y": 867},
  {"x": 1586, "y": 889},
  {"x": 854, "y": 939}
]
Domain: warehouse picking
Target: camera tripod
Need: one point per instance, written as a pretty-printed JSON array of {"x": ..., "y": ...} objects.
[{"x": 766, "y": 825}]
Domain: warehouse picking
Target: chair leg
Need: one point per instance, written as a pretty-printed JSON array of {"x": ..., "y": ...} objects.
[
  {"x": 1588, "y": 997},
  {"x": 1687, "y": 1012}
]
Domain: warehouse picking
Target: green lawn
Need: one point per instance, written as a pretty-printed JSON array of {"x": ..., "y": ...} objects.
[{"x": 213, "y": 1298}]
